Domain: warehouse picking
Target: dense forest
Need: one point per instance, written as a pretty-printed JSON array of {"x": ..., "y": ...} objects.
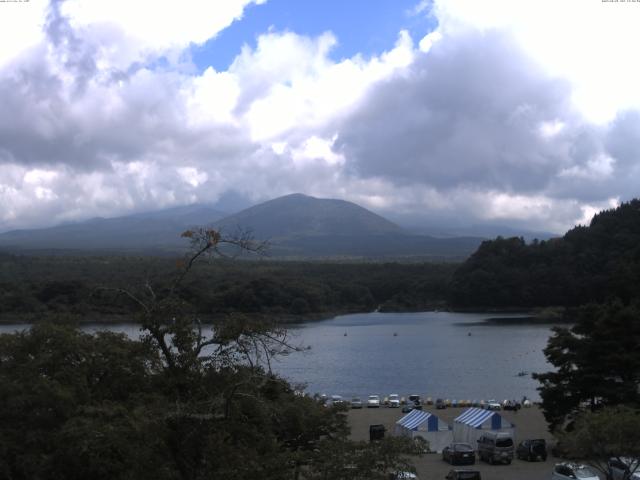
[
  {"x": 32, "y": 288},
  {"x": 588, "y": 264},
  {"x": 179, "y": 403}
]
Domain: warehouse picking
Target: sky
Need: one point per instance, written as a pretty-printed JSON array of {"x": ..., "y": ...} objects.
[{"x": 440, "y": 112}]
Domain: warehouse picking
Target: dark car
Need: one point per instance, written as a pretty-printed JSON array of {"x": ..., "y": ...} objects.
[
  {"x": 440, "y": 404},
  {"x": 624, "y": 467},
  {"x": 459, "y": 453},
  {"x": 532, "y": 450},
  {"x": 494, "y": 447},
  {"x": 463, "y": 475},
  {"x": 376, "y": 432}
]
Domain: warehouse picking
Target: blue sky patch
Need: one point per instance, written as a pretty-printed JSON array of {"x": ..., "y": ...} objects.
[{"x": 369, "y": 27}]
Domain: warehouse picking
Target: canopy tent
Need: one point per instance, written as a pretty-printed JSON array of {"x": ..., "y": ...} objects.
[
  {"x": 471, "y": 424},
  {"x": 418, "y": 423}
]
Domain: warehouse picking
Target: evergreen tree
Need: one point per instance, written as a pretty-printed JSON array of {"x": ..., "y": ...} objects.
[
  {"x": 184, "y": 402},
  {"x": 597, "y": 363}
]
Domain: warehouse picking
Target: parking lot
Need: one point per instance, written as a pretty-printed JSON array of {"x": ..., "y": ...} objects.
[{"x": 529, "y": 423}]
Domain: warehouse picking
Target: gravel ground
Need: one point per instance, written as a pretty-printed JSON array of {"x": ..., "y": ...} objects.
[{"x": 529, "y": 423}]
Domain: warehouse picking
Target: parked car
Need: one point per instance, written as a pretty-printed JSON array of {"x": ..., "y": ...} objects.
[
  {"x": 493, "y": 405},
  {"x": 394, "y": 400},
  {"x": 414, "y": 398},
  {"x": 494, "y": 447},
  {"x": 356, "y": 402},
  {"x": 458, "y": 474},
  {"x": 440, "y": 404},
  {"x": 337, "y": 400},
  {"x": 373, "y": 401},
  {"x": 532, "y": 450},
  {"x": 376, "y": 432},
  {"x": 403, "y": 476},
  {"x": 459, "y": 453},
  {"x": 572, "y": 471},
  {"x": 511, "y": 405},
  {"x": 624, "y": 466}
]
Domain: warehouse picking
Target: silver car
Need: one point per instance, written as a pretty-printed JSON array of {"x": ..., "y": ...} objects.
[
  {"x": 394, "y": 400},
  {"x": 373, "y": 401},
  {"x": 572, "y": 471}
]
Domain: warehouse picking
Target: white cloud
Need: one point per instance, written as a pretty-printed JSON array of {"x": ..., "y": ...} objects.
[
  {"x": 316, "y": 148},
  {"x": 465, "y": 125},
  {"x": 127, "y": 31},
  {"x": 192, "y": 176},
  {"x": 20, "y": 27},
  {"x": 289, "y": 81},
  {"x": 597, "y": 168},
  {"x": 549, "y": 129},
  {"x": 591, "y": 43},
  {"x": 211, "y": 97},
  {"x": 428, "y": 40}
]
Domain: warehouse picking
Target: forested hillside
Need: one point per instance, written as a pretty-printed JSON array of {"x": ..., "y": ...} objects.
[
  {"x": 32, "y": 288},
  {"x": 589, "y": 264}
]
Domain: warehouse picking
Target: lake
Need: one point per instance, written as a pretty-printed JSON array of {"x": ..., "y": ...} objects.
[{"x": 439, "y": 354}]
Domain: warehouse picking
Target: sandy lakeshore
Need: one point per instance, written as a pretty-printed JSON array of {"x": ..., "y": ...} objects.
[{"x": 529, "y": 423}]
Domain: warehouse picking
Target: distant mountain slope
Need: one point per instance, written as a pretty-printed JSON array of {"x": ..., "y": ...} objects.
[
  {"x": 588, "y": 264},
  {"x": 297, "y": 215},
  {"x": 300, "y": 226},
  {"x": 152, "y": 230},
  {"x": 296, "y": 227}
]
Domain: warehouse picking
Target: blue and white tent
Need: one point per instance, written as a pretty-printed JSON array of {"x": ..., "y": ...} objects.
[
  {"x": 418, "y": 423},
  {"x": 473, "y": 422}
]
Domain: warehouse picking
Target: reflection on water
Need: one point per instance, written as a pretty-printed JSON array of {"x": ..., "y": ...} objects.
[{"x": 439, "y": 354}]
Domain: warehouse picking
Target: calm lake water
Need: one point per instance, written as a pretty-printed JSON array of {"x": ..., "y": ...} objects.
[{"x": 439, "y": 354}]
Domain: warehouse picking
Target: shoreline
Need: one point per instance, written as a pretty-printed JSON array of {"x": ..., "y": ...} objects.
[{"x": 525, "y": 316}]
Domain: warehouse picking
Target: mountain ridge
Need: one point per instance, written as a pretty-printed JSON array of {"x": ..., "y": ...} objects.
[
  {"x": 297, "y": 215},
  {"x": 297, "y": 226}
]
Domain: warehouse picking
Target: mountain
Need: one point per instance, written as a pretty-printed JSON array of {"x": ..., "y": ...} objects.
[
  {"x": 297, "y": 215},
  {"x": 480, "y": 230},
  {"x": 153, "y": 231},
  {"x": 296, "y": 226},
  {"x": 301, "y": 226}
]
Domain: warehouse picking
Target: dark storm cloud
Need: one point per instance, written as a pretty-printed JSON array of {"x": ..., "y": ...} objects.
[
  {"x": 623, "y": 139},
  {"x": 45, "y": 122},
  {"x": 470, "y": 112}
]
